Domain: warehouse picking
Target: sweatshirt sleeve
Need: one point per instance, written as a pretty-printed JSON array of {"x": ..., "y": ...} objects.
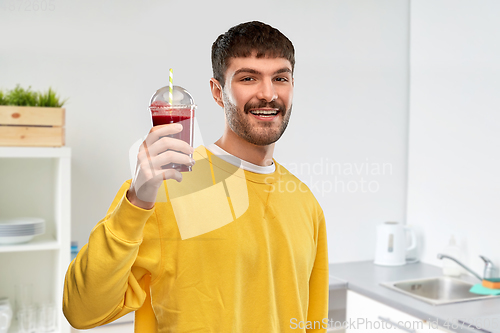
[
  {"x": 101, "y": 284},
  {"x": 319, "y": 284}
]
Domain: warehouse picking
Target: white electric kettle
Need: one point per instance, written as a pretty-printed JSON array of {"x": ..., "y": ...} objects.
[{"x": 392, "y": 246}]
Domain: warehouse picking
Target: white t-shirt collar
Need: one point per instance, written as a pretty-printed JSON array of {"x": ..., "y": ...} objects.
[{"x": 224, "y": 155}]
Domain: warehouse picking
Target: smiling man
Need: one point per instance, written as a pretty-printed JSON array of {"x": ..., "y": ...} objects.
[
  {"x": 257, "y": 100},
  {"x": 238, "y": 244}
]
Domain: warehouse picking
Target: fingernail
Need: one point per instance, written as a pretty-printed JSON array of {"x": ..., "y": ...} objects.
[{"x": 193, "y": 161}]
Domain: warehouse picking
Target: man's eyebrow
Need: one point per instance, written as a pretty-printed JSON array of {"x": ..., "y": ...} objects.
[
  {"x": 283, "y": 70},
  {"x": 253, "y": 71},
  {"x": 246, "y": 70}
]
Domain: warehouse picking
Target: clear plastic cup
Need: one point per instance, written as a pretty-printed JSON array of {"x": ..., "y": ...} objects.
[
  {"x": 47, "y": 318},
  {"x": 5, "y": 314},
  {"x": 24, "y": 296},
  {"x": 26, "y": 320},
  {"x": 181, "y": 111}
]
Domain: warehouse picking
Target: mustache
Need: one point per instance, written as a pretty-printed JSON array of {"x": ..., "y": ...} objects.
[{"x": 262, "y": 104}]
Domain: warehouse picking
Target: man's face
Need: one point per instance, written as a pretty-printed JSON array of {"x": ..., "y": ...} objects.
[{"x": 257, "y": 98}]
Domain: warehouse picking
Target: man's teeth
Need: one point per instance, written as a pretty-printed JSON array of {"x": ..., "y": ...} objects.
[{"x": 264, "y": 112}]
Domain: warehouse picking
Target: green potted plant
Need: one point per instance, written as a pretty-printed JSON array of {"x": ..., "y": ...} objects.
[{"x": 31, "y": 118}]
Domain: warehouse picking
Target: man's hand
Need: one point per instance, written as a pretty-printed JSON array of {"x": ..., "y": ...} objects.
[{"x": 156, "y": 151}]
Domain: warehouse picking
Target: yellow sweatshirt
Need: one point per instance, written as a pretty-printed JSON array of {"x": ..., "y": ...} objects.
[{"x": 225, "y": 250}]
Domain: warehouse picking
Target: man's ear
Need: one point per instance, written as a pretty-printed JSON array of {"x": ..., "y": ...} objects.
[{"x": 216, "y": 89}]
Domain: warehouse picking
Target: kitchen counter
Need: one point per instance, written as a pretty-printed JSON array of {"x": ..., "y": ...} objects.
[
  {"x": 336, "y": 284},
  {"x": 364, "y": 277}
]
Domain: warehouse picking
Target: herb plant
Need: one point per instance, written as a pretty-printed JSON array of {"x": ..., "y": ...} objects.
[
  {"x": 50, "y": 99},
  {"x": 26, "y": 97}
]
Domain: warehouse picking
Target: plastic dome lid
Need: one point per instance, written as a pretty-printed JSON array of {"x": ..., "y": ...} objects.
[{"x": 181, "y": 98}]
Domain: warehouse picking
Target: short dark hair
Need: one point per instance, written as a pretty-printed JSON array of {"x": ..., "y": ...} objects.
[{"x": 245, "y": 38}]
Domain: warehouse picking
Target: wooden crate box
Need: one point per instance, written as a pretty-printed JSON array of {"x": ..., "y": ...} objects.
[{"x": 31, "y": 126}]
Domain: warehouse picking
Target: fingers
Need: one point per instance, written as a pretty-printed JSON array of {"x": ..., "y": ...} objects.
[
  {"x": 170, "y": 174},
  {"x": 155, "y": 162},
  {"x": 171, "y": 156},
  {"x": 159, "y": 150},
  {"x": 150, "y": 167},
  {"x": 162, "y": 130},
  {"x": 165, "y": 143},
  {"x": 158, "y": 141}
]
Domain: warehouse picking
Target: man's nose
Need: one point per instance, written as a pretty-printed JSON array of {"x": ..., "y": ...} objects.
[{"x": 267, "y": 91}]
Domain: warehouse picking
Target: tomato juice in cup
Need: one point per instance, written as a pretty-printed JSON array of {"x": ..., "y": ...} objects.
[{"x": 180, "y": 111}]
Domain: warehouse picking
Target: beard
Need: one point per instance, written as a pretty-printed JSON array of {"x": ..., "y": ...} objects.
[{"x": 267, "y": 133}]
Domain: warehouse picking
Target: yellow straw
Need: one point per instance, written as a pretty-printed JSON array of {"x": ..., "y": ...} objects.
[{"x": 171, "y": 87}]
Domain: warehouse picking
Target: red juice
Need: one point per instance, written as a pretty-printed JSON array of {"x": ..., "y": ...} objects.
[{"x": 162, "y": 113}]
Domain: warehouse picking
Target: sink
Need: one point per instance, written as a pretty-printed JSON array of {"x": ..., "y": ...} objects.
[{"x": 437, "y": 290}]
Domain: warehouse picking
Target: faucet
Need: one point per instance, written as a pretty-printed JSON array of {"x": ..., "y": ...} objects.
[{"x": 490, "y": 270}]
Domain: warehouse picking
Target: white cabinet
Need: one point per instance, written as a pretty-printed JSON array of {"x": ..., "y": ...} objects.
[
  {"x": 364, "y": 314},
  {"x": 336, "y": 310},
  {"x": 36, "y": 182}
]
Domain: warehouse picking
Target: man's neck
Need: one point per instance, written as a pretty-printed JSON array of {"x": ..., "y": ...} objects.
[{"x": 236, "y": 146}]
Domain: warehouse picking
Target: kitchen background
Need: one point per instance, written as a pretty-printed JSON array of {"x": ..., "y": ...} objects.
[{"x": 395, "y": 112}]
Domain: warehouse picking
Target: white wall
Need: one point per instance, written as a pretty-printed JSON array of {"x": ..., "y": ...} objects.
[
  {"x": 350, "y": 105},
  {"x": 454, "y": 178}
]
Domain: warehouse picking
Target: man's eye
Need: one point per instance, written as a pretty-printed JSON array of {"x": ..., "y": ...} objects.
[
  {"x": 247, "y": 79},
  {"x": 282, "y": 79}
]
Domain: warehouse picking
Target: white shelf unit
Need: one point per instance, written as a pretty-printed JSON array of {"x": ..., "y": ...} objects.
[{"x": 36, "y": 182}]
